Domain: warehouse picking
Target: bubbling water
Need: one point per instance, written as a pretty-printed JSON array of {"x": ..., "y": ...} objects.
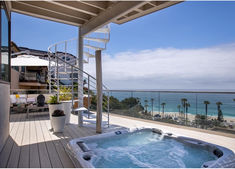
[{"x": 145, "y": 149}]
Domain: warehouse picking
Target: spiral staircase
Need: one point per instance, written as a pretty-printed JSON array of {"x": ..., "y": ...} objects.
[{"x": 64, "y": 72}]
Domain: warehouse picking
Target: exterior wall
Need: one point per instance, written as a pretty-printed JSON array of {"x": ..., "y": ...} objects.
[
  {"x": 14, "y": 79},
  {"x": 5, "y": 64},
  {"x": 4, "y": 112}
]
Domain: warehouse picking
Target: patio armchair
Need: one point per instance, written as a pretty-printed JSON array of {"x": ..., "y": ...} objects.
[
  {"x": 18, "y": 102},
  {"x": 40, "y": 104}
]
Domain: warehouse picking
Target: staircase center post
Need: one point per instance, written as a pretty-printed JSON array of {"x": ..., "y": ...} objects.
[{"x": 80, "y": 76}]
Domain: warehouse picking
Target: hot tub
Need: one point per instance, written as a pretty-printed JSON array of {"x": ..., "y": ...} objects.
[{"x": 148, "y": 148}]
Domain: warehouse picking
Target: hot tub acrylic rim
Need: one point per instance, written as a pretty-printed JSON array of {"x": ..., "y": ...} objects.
[{"x": 76, "y": 153}]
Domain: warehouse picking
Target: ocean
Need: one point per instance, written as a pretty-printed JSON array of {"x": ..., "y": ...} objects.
[{"x": 172, "y": 100}]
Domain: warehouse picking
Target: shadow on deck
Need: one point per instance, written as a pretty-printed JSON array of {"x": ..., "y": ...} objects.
[{"x": 31, "y": 143}]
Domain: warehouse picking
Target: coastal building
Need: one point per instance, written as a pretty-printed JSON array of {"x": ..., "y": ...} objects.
[{"x": 29, "y": 68}]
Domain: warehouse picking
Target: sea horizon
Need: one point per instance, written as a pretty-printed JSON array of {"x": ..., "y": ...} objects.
[{"x": 153, "y": 100}]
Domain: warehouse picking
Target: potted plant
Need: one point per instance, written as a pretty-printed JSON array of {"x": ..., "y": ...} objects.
[
  {"x": 54, "y": 105},
  {"x": 58, "y": 120},
  {"x": 65, "y": 98}
]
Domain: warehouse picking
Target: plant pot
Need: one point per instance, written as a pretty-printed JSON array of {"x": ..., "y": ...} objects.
[
  {"x": 53, "y": 107},
  {"x": 67, "y": 110},
  {"x": 58, "y": 123}
]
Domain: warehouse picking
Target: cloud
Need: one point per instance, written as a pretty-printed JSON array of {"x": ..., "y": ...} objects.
[{"x": 170, "y": 68}]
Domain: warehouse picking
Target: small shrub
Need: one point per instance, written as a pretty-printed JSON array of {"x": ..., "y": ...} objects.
[
  {"x": 53, "y": 100},
  {"x": 65, "y": 93},
  {"x": 58, "y": 113}
]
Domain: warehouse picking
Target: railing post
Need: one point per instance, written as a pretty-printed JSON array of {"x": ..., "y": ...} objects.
[
  {"x": 49, "y": 72},
  {"x": 57, "y": 74},
  {"x": 72, "y": 88},
  {"x": 80, "y": 73},
  {"x": 196, "y": 103},
  {"x": 159, "y": 109},
  {"x": 196, "y": 110},
  {"x": 80, "y": 77},
  {"x": 108, "y": 109},
  {"x": 65, "y": 55},
  {"x": 88, "y": 98}
]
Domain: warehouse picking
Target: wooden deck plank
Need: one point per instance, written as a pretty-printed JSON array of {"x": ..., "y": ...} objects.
[
  {"x": 85, "y": 130},
  {"x": 6, "y": 151},
  {"x": 80, "y": 131},
  {"x": 34, "y": 145},
  {"x": 43, "y": 153},
  {"x": 75, "y": 129},
  {"x": 24, "y": 147},
  {"x": 15, "y": 154},
  {"x": 53, "y": 154},
  {"x": 34, "y": 158},
  {"x": 13, "y": 119},
  {"x": 71, "y": 132},
  {"x": 58, "y": 140}
]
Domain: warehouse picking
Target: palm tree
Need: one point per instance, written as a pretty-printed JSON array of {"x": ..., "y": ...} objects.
[
  {"x": 184, "y": 101},
  {"x": 187, "y": 105},
  {"x": 138, "y": 100},
  {"x": 179, "y": 107},
  {"x": 220, "y": 113},
  {"x": 152, "y": 99},
  {"x": 206, "y": 107},
  {"x": 163, "y": 106},
  {"x": 146, "y": 105}
]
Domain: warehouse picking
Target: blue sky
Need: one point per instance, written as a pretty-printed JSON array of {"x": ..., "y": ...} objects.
[{"x": 188, "y": 26}]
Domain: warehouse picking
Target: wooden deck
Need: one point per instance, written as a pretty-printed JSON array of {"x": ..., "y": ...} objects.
[{"x": 32, "y": 144}]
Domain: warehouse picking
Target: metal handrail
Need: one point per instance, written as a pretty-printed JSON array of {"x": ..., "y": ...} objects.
[
  {"x": 76, "y": 67},
  {"x": 173, "y": 91}
]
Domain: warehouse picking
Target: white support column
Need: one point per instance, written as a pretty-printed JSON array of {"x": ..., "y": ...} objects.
[
  {"x": 99, "y": 91},
  {"x": 80, "y": 76}
]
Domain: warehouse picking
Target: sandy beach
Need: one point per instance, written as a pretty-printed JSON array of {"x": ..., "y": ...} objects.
[{"x": 191, "y": 117}]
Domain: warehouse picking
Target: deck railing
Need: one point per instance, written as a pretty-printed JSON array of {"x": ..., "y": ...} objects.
[{"x": 212, "y": 110}]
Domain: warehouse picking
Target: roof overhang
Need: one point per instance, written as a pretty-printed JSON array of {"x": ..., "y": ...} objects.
[
  {"x": 28, "y": 60},
  {"x": 88, "y": 15}
]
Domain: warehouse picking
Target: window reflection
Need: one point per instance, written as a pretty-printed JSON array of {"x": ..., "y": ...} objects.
[{"x": 4, "y": 45}]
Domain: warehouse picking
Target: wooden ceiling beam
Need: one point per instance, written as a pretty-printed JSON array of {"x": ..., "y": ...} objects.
[
  {"x": 102, "y": 5},
  {"x": 47, "y": 5},
  {"x": 114, "y": 11},
  {"x": 31, "y": 10},
  {"x": 78, "y": 6}
]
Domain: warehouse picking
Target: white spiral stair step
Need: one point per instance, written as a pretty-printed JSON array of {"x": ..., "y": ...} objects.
[
  {"x": 97, "y": 39},
  {"x": 93, "y": 47},
  {"x": 89, "y": 55}
]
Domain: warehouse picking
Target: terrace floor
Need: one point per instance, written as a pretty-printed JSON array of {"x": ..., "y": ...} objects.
[{"x": 32, "y": 144}]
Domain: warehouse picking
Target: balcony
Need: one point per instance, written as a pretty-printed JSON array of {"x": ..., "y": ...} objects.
[
  {"x": 32, "y": 77},
  {"x": 32, "y": 80}
]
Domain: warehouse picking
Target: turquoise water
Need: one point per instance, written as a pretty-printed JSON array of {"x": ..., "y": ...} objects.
[
  {"x": 145, "y": 149},
  {"x": 196, "y": 101}
]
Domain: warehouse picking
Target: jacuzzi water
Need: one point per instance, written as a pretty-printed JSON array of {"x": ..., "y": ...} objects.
[{"x": 146, "y": 149}]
